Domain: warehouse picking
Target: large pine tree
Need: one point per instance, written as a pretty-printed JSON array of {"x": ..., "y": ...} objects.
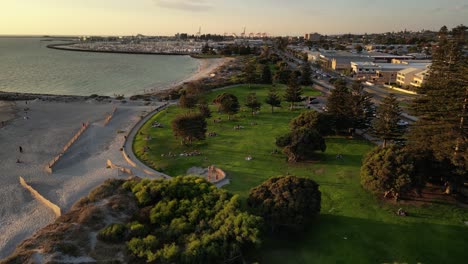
[
  {"x": 441, "y": 131},
  {"x": 293, "y": 93},
  {"x": 385, "y": 126}
]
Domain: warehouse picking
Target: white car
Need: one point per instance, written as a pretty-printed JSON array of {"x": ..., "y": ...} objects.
[{"x": 402, "y": 123}]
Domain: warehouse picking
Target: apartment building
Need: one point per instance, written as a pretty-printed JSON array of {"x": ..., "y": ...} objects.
[
  {"x": 419, "y": 78},
  {"x": 405, "y": 77}
]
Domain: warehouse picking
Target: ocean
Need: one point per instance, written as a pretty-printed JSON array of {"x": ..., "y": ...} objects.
[{"x": 28, "y": 66}]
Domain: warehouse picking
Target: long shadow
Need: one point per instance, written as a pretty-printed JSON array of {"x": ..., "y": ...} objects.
[{"x": 341, "y": 239}]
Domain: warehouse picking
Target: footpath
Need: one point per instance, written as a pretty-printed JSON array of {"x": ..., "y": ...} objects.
[{"x": 127, "y": 149}]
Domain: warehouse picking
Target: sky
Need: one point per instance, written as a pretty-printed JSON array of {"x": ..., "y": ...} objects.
[{"x": 275, "y": 17}]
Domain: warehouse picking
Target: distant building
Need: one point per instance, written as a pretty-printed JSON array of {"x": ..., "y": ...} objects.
[
  {"x": 380, "y": 73},
  {"x": 420, "y": 78},
  {"x": 312, "y": 36},
  {"x": 405, "y": 77},
  {"x": 340, "y": 60}
]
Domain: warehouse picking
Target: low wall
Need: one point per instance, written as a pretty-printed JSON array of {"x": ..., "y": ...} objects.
[
  {"x": 41, "y": 198},
  {"x": 122, "y": 169},
  {"x": 50, "y": 165},
  {"x": 109, "y": 117},
  {"x": 127, "y": 158}
]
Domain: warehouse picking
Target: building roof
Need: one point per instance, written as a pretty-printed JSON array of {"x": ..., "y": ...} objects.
[{"x": 410, "y": 70}]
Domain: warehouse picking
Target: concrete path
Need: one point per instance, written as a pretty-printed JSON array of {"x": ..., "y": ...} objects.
[{"x": 132, "y": 160}]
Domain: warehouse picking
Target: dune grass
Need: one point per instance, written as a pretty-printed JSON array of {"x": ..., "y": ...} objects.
[{"x": 354, "y": 226}]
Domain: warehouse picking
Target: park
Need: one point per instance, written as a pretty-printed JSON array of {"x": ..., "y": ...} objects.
[{"x": 354, "y": 226}]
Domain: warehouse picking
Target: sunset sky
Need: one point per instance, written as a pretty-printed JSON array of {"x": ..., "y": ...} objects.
[{"x": 276, "y": 17}]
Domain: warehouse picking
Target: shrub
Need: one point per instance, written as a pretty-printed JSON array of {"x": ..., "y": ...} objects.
[
  {"x": 113, "y": 233},
  {"x": 289, "y": 201}
]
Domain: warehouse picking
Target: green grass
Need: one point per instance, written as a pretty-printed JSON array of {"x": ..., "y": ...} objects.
[{"x": 433, "y": 233}]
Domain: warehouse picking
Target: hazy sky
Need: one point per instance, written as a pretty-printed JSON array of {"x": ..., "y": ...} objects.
[{"x": 276, "y": 17}]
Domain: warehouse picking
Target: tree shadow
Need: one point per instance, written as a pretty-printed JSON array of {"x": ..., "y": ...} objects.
[{"x": 341, "y": 239}]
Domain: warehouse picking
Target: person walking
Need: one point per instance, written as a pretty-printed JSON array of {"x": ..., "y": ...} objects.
[{"x": 20, "y": 149}]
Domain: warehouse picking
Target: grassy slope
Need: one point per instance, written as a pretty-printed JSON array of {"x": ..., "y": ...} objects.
[{"x": 434, "y": 233}]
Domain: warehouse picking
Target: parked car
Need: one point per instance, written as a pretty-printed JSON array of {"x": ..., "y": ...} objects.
[{"x": 402, "y": 123}]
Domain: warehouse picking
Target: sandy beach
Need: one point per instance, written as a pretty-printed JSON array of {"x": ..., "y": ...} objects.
[
  {"x": 7, "y": 111},
  {"x": 42, "y": 128},
  {"x": 205, "y": 68}
]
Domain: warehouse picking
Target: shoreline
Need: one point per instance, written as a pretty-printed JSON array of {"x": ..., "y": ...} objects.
[{"x": 205, "y": 68}]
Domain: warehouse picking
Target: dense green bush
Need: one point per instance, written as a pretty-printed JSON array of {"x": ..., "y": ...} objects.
[
  {"x": 286, "y": 202},
  {"x": 113, "y": 233},
  {"x": 189, "y": 221}
]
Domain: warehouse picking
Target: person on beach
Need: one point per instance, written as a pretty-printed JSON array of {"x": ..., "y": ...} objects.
[{"x": 20, "y": 149}]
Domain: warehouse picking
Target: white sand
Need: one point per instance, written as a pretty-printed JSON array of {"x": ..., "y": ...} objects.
[
  {"x": 82, "y": 168},
  {"x": 7, "y": 111}
]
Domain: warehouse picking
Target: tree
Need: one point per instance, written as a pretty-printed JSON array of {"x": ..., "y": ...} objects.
[
  {"x": 288, "y": 202},
  {"x": 293, "y": 93},
  {"x": 313, "y": 120},
  {"x": 266, "y": 75},
  {"x": 301, "y": 144},
  {"x": 385, "y": 126},
  {"x": 282, "y": 75},
  {"x": 227, "y": 103},
  {"x": 190, "y": 221},
  {"x": 350, "y": 108},
  {"x": 250, "y": 73},
  {"x": 206, "y": 48},
  {"x": 204, "y": 109},
  {"x": 362, "y": 107},
  {"x": 189, "y": 127},
  {"x": 358, "y": 48},
  {"x": 441, "y": 129},
  {"x": 273, "y": 98},
  {"x": 306, "y": 72},
  {"x": 339, "y": 105},
  {"x": 252, "y": 102},
  {"x": 388, "y": 171},
  {"x": 187, "y": 101}
]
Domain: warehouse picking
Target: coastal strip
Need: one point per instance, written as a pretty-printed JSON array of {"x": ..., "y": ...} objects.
[
  {"x": 41, "y": 198},
  {"x": 67, "y": 47}
]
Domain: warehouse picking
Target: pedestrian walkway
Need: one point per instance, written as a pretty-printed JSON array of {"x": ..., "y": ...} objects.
[{"x": 128, "y": 146}]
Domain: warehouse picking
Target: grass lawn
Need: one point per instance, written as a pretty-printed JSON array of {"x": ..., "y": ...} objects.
[{"x": 354, "y": 226}]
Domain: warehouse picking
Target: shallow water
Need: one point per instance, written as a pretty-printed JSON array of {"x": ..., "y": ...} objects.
[{"x": 27, "y": 65}]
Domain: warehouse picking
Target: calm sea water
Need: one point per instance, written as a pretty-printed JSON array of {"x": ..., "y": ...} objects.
[{"x": 27, "y": 65}]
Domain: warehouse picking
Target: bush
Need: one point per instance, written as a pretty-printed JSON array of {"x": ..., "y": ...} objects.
[
  {"x": 189, "y": 220},
  {"x": 289, "y": 201},
  {"x": 113, "y": 233}
]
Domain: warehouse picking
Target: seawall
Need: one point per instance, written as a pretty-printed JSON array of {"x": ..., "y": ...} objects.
[{"x": 67, "y": 48}]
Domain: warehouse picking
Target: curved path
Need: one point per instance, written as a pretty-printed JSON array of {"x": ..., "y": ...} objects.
[
  {"x": 128, "y": 146},
  {"x": 133, "y": 161}
]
